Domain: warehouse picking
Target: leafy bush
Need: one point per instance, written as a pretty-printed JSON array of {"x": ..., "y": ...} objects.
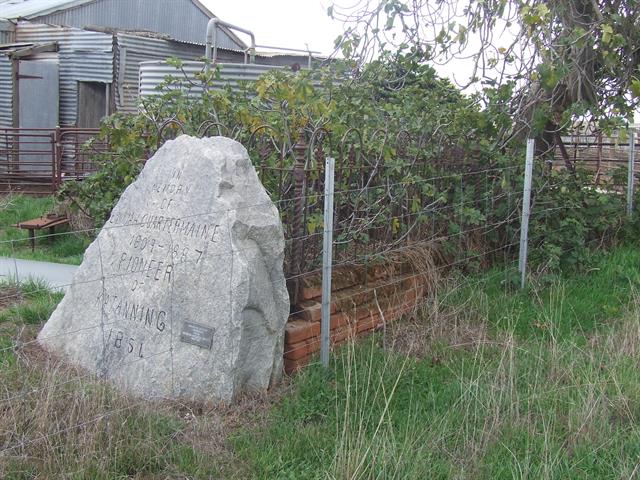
[
  {"x": 447, "y": 180},
  {"x": 573, "y": 217}
]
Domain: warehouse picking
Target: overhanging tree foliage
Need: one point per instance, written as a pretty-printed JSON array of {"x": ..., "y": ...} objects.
[{"x": 549, "y": 63}]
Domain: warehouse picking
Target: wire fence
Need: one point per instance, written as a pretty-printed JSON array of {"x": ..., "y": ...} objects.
[{"x": 461, "y": 216}]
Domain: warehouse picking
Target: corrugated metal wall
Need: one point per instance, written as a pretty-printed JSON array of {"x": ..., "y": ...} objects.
[
  {"x": 90, "y": 56},
  {"x": 6, "y": 36},
  {"x": 6, "y": 92},
  {"x": 181, "y": 19},
  {"x": 154, "y": 73},
  {"x": 132, "y": 50},
  {"x": 83, "y": 56},
  {"x": 6, "y": 31}
]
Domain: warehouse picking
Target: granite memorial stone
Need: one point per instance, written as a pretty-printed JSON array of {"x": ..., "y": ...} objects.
[{"x": 182, "y": 294}]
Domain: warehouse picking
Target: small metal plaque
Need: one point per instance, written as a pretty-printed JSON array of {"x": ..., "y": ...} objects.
[{"x": 197, "y": 335}]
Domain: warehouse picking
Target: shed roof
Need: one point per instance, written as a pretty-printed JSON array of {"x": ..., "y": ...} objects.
[
  {"x": 15, "y": 9},
  {"x": 35, "y": 9}
]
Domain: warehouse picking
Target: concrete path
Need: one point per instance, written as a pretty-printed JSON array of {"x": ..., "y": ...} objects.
[{"x": 57, "y": 275}]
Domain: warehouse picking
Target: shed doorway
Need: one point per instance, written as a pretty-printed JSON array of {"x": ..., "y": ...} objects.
[{"x": 93, "y": 105}]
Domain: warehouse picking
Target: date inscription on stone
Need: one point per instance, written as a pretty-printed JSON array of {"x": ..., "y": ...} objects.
[{"x": 197, "y": 335}]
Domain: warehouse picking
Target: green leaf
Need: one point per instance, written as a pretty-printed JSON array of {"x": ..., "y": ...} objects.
[
  {"x": 635, "y": 87},
  {"x": 607, "y": 32}
]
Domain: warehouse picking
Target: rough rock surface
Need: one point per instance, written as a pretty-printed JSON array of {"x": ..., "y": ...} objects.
[{"x": 182, "y": 294}]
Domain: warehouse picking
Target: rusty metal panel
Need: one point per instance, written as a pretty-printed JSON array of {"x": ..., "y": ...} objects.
[
  {"x": 92, "y": 104},
  {"x": 6, "y": 37},
  {"x": 180, "y": 19},
  {"x": 83, "y": 56},
  {"x": 6, "y": 92}
]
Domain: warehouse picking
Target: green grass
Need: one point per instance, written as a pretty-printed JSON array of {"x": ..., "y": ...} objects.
[
  {"x": 552, "y": 391},
  {"x": 65, "y": 248},
  {"x": 34, "y": 303},
  {"x": 571, "y": 306},
  {"x": 489, "y": 383}
]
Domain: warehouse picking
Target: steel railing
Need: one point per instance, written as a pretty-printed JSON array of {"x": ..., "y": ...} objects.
[{"x": 34, "y": 160}]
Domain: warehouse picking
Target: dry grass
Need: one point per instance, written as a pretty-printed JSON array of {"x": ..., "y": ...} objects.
[
  {"x": 449, "y": 396},
  {"x": 548, "y": 407},
  {"x": 209, "y": 426},
  {"x": 10, "y": 295},
  {"x": 57, "y": 421},
  {"x": 436, "y": 321}
]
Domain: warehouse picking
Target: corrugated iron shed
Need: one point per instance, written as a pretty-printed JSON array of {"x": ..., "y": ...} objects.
[
  {"x": 90, "y": 56},
  {"x": 83, "y": 56}
]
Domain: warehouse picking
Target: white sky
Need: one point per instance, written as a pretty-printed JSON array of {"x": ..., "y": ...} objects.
[
  {"x": 298, "y": 24},
  {"x": 281, "y": 23}
]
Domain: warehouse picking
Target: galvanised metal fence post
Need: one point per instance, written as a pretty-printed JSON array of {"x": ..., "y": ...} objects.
[
  {"x": 327, "y": 251},
  {"x": 631, "y": 172},
  {"x": 526, "y": 212}
]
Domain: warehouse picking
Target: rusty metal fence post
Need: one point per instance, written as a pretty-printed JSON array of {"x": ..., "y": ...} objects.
[
  {"x": 56, "y": 154},
  {"x": 299, "y": 202}
]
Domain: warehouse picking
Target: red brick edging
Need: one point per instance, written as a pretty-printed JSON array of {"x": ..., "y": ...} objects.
[{"x": 358, "y": 296}]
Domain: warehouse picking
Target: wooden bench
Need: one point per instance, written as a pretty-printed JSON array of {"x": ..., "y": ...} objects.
[{"x": 50, "y": 221}]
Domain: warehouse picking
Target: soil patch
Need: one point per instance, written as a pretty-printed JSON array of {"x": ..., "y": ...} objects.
[{"x": 10, "y": 295}]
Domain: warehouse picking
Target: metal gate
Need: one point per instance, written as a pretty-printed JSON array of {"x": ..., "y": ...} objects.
[{"x": 37, "y": 160}]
